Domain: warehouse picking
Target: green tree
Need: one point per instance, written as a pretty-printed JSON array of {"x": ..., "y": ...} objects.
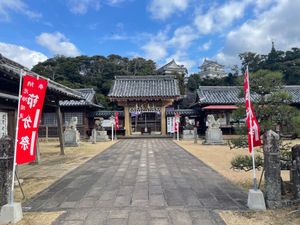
[
  {"x": 271, "y": 105},
  {"x": 93, "y": 71}
]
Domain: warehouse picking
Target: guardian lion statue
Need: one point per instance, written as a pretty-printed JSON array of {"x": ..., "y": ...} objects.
[
  {"x": 72, "y": 124},
  {"x": 212, "y": 123}
]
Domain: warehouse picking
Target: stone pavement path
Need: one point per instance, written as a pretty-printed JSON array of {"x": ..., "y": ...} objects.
[{"x": 140, "y": 182}]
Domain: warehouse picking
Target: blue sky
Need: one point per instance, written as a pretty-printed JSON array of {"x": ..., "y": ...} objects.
[{"x": 185, "y": 30}]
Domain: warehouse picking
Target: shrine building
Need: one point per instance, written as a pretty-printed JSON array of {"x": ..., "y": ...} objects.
[{"x": 144, "y": 99}]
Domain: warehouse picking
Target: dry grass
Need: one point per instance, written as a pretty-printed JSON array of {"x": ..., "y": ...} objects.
[
  {"x": 269, "y": 217},
  {"x": 218, "y": 158},
  {"x": 40, "y": 218}
]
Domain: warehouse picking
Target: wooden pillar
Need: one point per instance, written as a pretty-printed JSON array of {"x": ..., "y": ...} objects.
[
  {"x": 60, "y": 129},
  {"x": 127, "y": 121},
  {"x": 163, "y": 120}
]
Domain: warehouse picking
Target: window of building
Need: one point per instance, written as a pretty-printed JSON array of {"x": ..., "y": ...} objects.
[
  {"x": 69, "y": 115},
  {"x": 49, "y": 119}
]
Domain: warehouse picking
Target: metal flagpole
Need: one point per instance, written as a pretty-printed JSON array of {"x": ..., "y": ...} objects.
[
  {"x": 177, "y": 125},
  {"x": 11, "y": 201},
  {"x": 251, "y": 137},
  {"x": 112, "y": 129}
]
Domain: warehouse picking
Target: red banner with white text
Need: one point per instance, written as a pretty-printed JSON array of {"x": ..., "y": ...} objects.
[
  {"x": 176, "y": 122},
  {"x": 117, "y": 120},
  {"x": 251, "y": 121},
  {"x": 31, "y": 105}
]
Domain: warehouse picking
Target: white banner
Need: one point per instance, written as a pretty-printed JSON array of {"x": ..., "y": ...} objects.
[
  {"x": 3, "y": 123},
  {"x": 170, "y": 124},
  {"x": 106, "y": 123}
]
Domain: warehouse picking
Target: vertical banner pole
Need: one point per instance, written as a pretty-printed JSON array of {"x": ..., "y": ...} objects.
[
  {"x": 177, "y": 125},
  {"x": 11, "y": 200},
  {"x": 251, "y": 137},
  {"x": 112, "y": 130}
]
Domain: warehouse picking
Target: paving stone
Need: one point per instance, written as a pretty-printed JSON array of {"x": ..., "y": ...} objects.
[
  {"x": 141, "y": 181},
  {"x": 159, "y": 221},
  {"x": 180, "y": 217},
  {"x": 117, "y": 222},
  {"x": 119, "y": 214},
  {"x": 76, "y": 215},
  {"x": 202, "y": 222},
  {"x": 71, "y": 222},
  {"x": 138, "y": 218},
  {"x": 122, "y": 201},
  {"x": 96, "y": 218},
  {"x": 158, "y": 213},
  {"x": 157, "y": 200}
]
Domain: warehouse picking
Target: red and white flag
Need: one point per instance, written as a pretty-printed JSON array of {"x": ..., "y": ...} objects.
[
  {"x": 30, "y": 109},
  {"x": 176, "y": 122},
  {"x": 117, "y": 120},
  {"x": 251, "y": 121}
]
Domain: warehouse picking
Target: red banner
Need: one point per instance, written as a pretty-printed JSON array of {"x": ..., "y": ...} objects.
[
  {"x": 251, "y": 121},
  {"x": 117, "y": 120},
  {"x": 31, "y": 105},
  {"x": 176, "y": 122}
]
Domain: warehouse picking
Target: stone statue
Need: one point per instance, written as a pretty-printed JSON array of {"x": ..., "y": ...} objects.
[
  {"x": 71, "y": 134},
  {"x": 72, "y": 124},
  {"x": 188, "y": 125},
  {"x": 213, "y": 134},
  {"x": 187, "y": 133},
  {"x": 212, "y": 123},
  {"x": 99, "y": 133},
  {"x": 98, "y": 124}
]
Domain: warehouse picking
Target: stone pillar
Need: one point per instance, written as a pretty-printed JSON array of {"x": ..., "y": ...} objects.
[
  {"x": 127, "y": 121},
  {"x": 272, "y": 169},
  {"x": 6, "y": 168},
  {"x": 163, "y": 120},
  {"x": 295, "y": 171}
]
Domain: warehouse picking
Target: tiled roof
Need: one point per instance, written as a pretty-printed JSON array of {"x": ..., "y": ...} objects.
[
  {"x": 101, "y": 113},
  {"x": 13, "y": 71},
  {"x": 88, "y": 95},
  {"x": 172, "y": 64},
  {"x": 7, "y": 97},
  {"x": 182, "y": 112},
  {"x": 232, "y": 94},
  {"x": 144, "y": 86}
]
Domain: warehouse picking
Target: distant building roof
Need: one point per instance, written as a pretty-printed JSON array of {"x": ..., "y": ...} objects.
[
  {"x": 151, "y": 87},
  {"x": 232, "y": 94},
  {"x": 208, "y": 62},
  {"x": 171, "y": 68},
  {"x": 89, "y": 96},
  {"x": 211, "y": 69},
  {"x": 12, "y": 70}
]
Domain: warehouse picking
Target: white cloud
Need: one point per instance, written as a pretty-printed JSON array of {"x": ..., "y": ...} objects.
[
  {"x": 155, "y": 50},
  {"x": 57, "y": 43},
  {"x": 157, "y": 47},
  {"x": 114, "y": 2},
  {"x": 277, "y": 23},
  {"x": 206, "y": 46},
  {"x": 218, "y": 18},
  {"x": 22, "y": 55},
  {"x": 81, "y": 6},
  {"x": 162, "y": 9},
  {"x": 7, "y": 6},
  {"x": 183, "y": 37}
]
